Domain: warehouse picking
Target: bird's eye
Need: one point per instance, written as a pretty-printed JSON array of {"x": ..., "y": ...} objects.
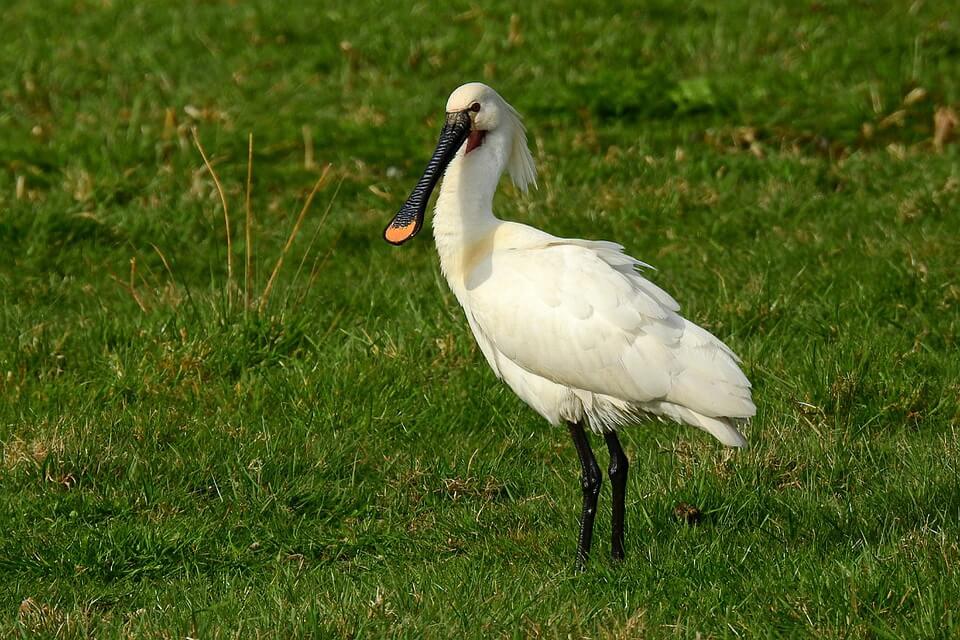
[{"x": 475, "y": 107}]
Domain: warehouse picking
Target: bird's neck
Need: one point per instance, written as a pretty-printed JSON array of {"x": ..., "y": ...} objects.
[{"x": 464, "y": 211}]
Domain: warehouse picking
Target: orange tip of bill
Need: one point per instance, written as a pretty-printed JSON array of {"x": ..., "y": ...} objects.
[{"x": 398, "y": 235}]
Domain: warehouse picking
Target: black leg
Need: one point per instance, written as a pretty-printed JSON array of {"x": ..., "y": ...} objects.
[
  {"x": 618, "y": 481},
  {"x": 590, "y": 481}
]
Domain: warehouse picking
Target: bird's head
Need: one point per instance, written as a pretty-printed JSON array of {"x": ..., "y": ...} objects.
[
  {"x": 474, "y": 113},
  {"x": 482, "y": 105}
]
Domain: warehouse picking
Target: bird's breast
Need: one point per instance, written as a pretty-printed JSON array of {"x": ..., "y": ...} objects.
[{"x": 466, "y": 262}]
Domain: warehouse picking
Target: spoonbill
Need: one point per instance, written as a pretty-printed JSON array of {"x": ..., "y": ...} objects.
[{"x": 570, "y": 325}]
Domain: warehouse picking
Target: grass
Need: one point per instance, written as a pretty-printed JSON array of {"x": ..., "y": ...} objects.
[{"x": 176, "y": 462}]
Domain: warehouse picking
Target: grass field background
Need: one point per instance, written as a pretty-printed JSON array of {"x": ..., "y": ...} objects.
[{"x": 343, "y": 463}]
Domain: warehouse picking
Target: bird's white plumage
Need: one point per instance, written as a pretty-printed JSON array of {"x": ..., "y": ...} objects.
[{"x": 571, "y": 325}]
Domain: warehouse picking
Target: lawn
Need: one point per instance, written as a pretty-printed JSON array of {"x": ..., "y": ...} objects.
[{"x": 191, "y": 448}]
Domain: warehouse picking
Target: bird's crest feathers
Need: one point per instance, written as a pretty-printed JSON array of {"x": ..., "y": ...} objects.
[{"x": 523, "y": 171}]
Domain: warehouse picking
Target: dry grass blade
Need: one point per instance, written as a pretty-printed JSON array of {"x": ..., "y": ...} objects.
[
  {"x": 292, "y": 237},
  {"x": 248, "y": 224},
  {"x": 308, "y": 163},
  {"x": 131, "y": 285},
  {"x": 319, "y": 262},
  {"x": 226, "y": 214},
  {"x": 944, "y": 121},
  {"x": 163, "y": 259},
  {"x": 316, "y": 232}
]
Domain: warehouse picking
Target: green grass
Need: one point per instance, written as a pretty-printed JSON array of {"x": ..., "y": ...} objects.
[{"x": 344, "y": 463}]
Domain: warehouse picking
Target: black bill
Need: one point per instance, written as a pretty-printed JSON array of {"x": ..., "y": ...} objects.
[{"x": 409, "y": 219}]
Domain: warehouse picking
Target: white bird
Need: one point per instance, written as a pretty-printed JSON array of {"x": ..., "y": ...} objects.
[{"x": 570, "y": 325}]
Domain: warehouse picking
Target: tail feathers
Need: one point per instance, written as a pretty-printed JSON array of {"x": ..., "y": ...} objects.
[
  {"x": 709, "y": 381},
  {"x": 711, "y": 397},
  {"x": 722, "y": 429}
]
